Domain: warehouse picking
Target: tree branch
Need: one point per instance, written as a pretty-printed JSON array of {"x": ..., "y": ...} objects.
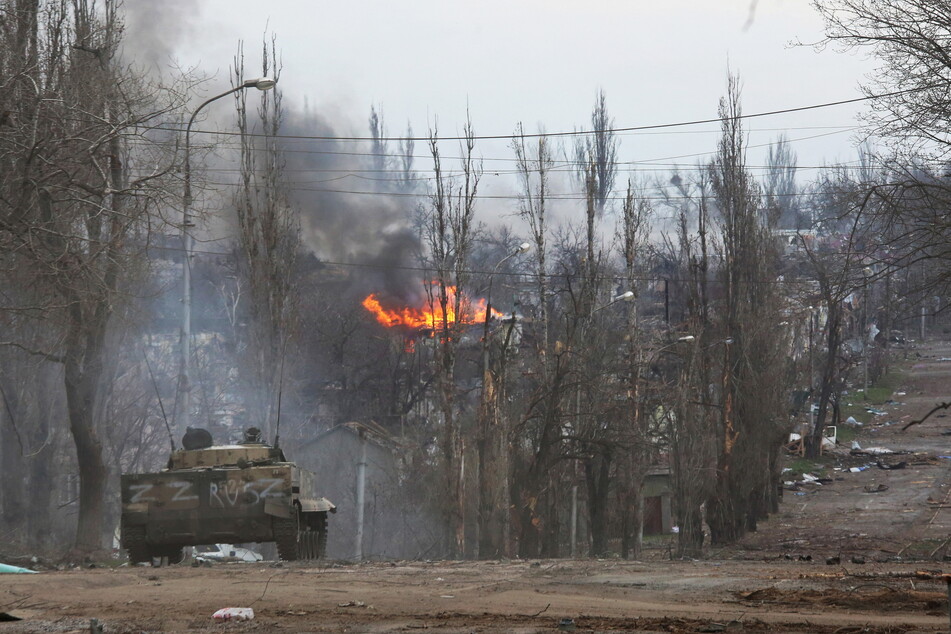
[
  {"x": 938, "y": 407},
  {"x": 39, "y": 353}
]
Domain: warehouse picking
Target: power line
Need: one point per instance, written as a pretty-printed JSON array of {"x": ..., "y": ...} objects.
[
  {"x": 561, "y": 168},
  {"x": 433, "y": 269},
  {"x": 550, "y": 197},
  {"x": 639, "y": 128},
  {"x": 563, "y": 164}
]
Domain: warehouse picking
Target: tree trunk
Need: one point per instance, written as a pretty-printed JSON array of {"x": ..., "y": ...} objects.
[
  {"x": 12, "y": 504},
  {"x": 637, "y": 542},
  {"x": 80, "y": 390},
  {"x": 690, "y": 538},
  {"x": 597, "y": 473},
  {"x": 813, "y": 442}
]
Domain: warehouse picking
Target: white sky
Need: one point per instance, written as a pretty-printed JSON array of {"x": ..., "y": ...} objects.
[{"x": 539, "y": 62}]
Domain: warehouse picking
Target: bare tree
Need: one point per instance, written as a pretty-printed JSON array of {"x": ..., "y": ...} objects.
[
  {"x": 910, "y": 106},
  {"x": 379, "y": 154},
  {"x": 751, "y": 401},
  {"x": 838, "y": 270},
  {"x": 910, "y": 39},
  {"x": 780, "y": 189},
  {"x": 71, "y": 211},
  {"x": 450, "y": 233},
  {"x": 596, "y": 155},
  {"x": 686, "y": 367},
  {"x": 634, "y": 230},
  {"x": 269, "y": 242}
]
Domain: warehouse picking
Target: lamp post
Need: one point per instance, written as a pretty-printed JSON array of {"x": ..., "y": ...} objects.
[
  {"x": 522, "y": 248},
  {"x": 626, "y": 296},
  {"x": 262, "y": 83},
  {"x": 812, "y": 378},
  {"x": 866, "y": 329}
]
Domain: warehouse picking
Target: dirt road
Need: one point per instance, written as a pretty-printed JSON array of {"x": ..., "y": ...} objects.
[
  {"x": 888, "y": 529},
  {"x": 484, "y": 596}
]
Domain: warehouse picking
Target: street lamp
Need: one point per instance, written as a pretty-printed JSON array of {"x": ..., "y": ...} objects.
[
  {"x": 626, "y": 296},
  {"x": 524, "y": 247},
  {"x": 262, "y": 83}
]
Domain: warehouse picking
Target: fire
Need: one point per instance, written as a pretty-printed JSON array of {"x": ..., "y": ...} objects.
[{"x": 429, "y": 316}]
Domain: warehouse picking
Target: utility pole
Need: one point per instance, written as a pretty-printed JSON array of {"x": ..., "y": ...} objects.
[
  {"x": 262, "y": 84},
  {"x": 361, "y": 493}
]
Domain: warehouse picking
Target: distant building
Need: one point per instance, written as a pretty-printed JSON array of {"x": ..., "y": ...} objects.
[
  {"x": 657, "y": 496},
  {"x": 392, "y": 524},
  {"x": 795, "y": 240}
]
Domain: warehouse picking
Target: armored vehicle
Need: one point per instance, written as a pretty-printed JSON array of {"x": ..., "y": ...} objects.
[{"x": 240, "y": 493}]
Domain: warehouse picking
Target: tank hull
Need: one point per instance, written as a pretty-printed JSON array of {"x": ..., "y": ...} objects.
[{"x": 202, "y": 500}]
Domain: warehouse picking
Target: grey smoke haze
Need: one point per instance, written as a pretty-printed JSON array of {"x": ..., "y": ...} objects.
[
  {"x": 372, "y": 230},
  {"x": 155, "y": 29}
]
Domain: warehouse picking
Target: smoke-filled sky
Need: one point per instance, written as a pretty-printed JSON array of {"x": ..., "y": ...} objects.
[
  {"x": 535, "y": 61},
  {"x": 540, "y": 62}
]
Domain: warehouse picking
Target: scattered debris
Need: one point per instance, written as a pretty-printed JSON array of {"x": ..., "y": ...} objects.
[
  {"x": 567, "y": 625},
  {"x": 542, "y": 611},
  {"x": 883, "y": 597},
  {"x": 936, "y": 504},
  {"x": 833, "y": 561},
  {"x": 233, "y": 614},
  {"x": 891, "y": 467},
  {"x": 857, "y": 450},
  {"x": 352, "y": 604},
  {"x": 856, "y": 559},
  {"x": 795, "y": 439},
  {"x": 875, "y": 488}
]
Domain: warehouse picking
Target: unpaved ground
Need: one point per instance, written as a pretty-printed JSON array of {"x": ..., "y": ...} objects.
[
  {"x": 889, "y": 530},
  {"x": 484, "y": 597},
  {"x": 880, "y": 513}
]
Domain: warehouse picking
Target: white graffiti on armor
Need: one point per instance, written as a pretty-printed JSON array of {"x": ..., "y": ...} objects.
[
  {"x": 182, "y": 487},
  {"x": 234, "y": 492},
  {"x": 140, "y": 491}
]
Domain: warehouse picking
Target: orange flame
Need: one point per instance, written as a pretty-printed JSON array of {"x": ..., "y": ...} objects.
[{"x": 430, "y": 316}]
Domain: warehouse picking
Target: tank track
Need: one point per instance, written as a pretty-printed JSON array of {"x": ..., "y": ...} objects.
[
  {"x": 321, "y": 537},
  {"x": 133, "y": 538},
  {"x": 286, "y": 538}
]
